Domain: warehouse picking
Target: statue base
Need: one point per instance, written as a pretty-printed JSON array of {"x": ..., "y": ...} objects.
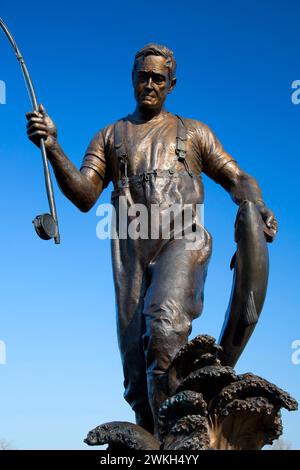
[{"x": 210, "y": 407}]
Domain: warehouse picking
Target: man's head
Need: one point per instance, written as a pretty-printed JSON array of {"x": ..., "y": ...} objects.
[{"x": 153, "y": 75}]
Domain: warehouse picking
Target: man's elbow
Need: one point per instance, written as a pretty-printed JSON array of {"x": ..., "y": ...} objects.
[
  {"x": 84, "y": 206},
  {"x": 86, "y": 196}
]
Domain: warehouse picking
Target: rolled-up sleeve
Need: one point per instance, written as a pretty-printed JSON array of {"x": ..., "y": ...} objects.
[
  {"x": 214, "y": 157},
  {"x": 95, "y": 157}
]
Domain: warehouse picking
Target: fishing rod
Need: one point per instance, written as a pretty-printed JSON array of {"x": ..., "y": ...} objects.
[{"x": 46, "y": 225}]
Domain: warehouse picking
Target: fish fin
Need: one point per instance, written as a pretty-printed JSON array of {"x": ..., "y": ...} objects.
[
  {"x": 251, "y": 316},
  {"x": 248, "y": 318}
]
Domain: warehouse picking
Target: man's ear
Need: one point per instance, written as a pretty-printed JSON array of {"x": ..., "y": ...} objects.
[
  {"x": 132, "y": 78},
  {"x": 172, "y": 85}
]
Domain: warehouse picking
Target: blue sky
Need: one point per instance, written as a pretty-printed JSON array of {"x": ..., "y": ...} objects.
[{"x": 236, "y": 63}]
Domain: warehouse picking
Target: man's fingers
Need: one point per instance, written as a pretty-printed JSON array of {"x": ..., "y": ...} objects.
[
  {"x": 36, "y": 127},
  {"x": 273, "y": 233},
  {"x": 35, "y": 119},
  {"x": 272, "y": 226},
  {"x": 271, "y": 222},
  {"x": 33, "y": 114},
  {"x": 38, "y": 134},
  {"x": 42, "y": 110}
]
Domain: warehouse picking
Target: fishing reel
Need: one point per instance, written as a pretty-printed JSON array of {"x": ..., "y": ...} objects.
[{"x": 45, "y": 226}]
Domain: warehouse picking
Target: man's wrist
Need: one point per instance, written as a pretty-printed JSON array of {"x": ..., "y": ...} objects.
[
  {"x": 53, "y": 148},
  {"x": 259, "y": 203}
]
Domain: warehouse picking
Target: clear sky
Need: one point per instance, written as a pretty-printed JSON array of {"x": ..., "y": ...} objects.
[{"x": 236, "y": 63}]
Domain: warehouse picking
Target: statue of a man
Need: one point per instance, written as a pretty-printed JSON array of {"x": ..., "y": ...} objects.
[{"x": 152, "y": 157}]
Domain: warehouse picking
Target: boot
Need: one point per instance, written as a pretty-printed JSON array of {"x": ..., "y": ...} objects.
[
  {"x": 144, "y": 418},
  {"x": 157, "y": 393}
]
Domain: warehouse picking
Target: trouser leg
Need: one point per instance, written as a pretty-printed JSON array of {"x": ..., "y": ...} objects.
[
  {"x": 134, "y": 369},
  {"x": 173, "y": 299},
  {"x": 130, "y": 287}
]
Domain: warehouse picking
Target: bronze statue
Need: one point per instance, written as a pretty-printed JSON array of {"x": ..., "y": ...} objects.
[{"x": 154, "y": 157}]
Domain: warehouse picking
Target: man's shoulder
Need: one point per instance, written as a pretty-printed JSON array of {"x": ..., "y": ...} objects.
[
  {"x": 194, "y": 124},
  {"x": 105, "y": 133},
  {"x": 108, "y": 130}
]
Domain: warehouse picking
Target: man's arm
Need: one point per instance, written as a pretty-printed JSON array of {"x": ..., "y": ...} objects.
[
  {"x": 82, "y": 187},
  {"x": 223, "y": 169},
  {"x": 242, "y": 186}
]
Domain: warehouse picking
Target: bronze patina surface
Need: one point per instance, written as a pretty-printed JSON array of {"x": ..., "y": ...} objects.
[{"x": 155, "y": 157}]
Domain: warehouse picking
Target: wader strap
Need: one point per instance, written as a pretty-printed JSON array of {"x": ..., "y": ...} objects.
[
  {"x": 148, "y": 175},
  {"x": 181, "y": 143},
  {"x": 122, "y": 156},
  {"x": 120, "y": 149}
]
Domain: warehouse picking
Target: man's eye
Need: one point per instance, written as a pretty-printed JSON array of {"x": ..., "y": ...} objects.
[
  {"x": 142, "y": 78},
  {"x": 158, "y": 79}
]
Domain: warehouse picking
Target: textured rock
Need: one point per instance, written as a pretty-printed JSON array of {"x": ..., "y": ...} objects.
[
  {"x": 208, "y": 380},
  {"x": 121, "y": 435},
  {"x": 210, "y": 407},
  {"x": 199, "y": 352},
  {"x": 246, "y": 424},
  {"x": 180, "y": 405},
  {"x": 250, "y": 385},
  {"x": 189, "y": 433}
]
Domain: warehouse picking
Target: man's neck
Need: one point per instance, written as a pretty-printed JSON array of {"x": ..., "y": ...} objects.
[{"x": 144, "y": 114}]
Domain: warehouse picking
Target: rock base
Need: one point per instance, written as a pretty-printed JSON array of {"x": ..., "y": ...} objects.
[{"x": 210, "y": 407}]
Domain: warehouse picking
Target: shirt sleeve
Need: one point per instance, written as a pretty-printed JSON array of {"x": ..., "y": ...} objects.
[
  {"x": 214, "y": 157},
  {"x": 96, "y": 158}
]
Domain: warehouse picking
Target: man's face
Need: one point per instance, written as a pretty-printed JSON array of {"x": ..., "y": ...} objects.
[{"x": 151, "y": 82}]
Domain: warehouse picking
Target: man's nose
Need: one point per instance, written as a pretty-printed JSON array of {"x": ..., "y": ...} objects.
[{"x": 149, "y": 84}]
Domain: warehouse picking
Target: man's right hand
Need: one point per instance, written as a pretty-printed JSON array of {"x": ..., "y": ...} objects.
[{"x": 40, "y": 126}]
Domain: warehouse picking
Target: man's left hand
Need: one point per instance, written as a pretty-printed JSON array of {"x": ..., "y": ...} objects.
[{"x": 270, "y": 221}]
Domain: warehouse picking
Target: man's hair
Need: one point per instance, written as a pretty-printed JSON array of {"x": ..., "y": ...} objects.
[{"x": 158, "y": 50}]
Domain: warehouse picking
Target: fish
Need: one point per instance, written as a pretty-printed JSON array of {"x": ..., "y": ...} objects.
[{"x": 250, "y": 265}]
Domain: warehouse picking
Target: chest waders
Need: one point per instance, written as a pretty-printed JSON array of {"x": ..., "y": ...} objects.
[{"x": 158, "y": 283}]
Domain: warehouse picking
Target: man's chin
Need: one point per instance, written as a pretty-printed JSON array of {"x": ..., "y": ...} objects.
[{"x": 148, "y": 105}]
